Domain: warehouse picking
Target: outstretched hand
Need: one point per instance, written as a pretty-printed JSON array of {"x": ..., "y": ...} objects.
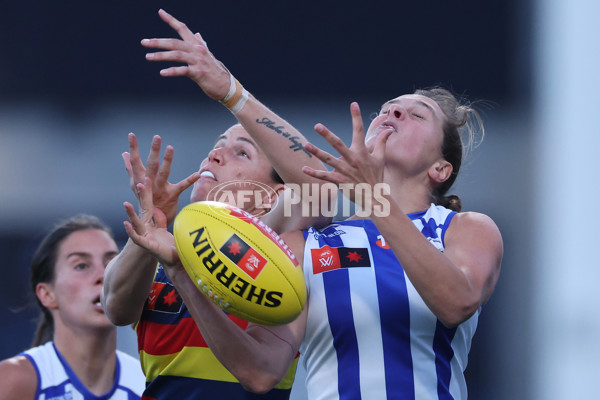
[
  {"x": 165, "y": 194},
  {"x": 149, "y": 228},
  {"x": 357, "y": 164},
  {"x": 202, "y": 67}
]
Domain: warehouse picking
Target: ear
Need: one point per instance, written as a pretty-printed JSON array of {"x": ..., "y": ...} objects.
[
  {"x": 45, "y": 294},
  {"x": 440, "y": 171},
  {"x": 270, "y": 197}
]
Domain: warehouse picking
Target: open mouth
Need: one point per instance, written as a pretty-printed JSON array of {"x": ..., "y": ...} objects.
[
  {"x": 389, "y": 125},
  {"x": 97, "y": 302},
  {"x": 208, "y": 174}
]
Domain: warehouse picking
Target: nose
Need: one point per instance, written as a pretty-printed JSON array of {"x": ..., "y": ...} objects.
[
  {"x": 216, "y": 155},
  {"x": 397, "y": 111},
  {"x": 100, "y": 273}
]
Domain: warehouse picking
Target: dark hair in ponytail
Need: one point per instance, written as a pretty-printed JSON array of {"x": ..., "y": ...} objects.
[
  {"x": 43, "y": 265},
  {"x": 459, "y": 118}
]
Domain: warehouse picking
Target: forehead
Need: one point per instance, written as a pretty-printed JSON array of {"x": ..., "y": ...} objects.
[
  {"x": 236, "y": 134},
  {"x": 88, "y": 241}
]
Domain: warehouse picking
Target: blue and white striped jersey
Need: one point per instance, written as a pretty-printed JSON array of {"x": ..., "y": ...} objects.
[
  {"x": 57, "y": 381},
  {"x": 369, "y": 334}
]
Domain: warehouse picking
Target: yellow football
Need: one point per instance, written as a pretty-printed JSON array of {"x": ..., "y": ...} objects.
[{"x": 240, "y": 263}]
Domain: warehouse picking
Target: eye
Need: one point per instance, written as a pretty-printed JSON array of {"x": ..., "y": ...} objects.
[
  {"x": 243, "y": 153},
  {"x": 418, "y": 116},
  {"x": 81, "y": 266}
]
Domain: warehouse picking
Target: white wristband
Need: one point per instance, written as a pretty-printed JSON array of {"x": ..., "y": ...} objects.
[
  {"x": 231, "y": 91},
  {"x": 241, "y": 103}
]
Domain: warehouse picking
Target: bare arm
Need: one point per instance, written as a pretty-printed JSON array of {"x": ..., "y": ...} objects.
[
  {"x": 258, "y": 357},
  {"x": 127, "y": 281},
  {"x": 19, "y": 380},
  {"x": 456, "y": 282},
  {"x": 281, "y": 142},
  {"x": 453, "y": 283}
]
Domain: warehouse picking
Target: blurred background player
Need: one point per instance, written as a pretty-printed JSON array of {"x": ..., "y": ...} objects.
[{"x": 74, "y": 351}]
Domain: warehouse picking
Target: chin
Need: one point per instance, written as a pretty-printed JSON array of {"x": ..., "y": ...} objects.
[{"x": 198, "y": 195}]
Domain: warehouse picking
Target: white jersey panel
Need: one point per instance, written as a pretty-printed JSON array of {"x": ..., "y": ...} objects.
[
  {"x": 369, "y": 333},
  {"x": 57, "y": 381}
]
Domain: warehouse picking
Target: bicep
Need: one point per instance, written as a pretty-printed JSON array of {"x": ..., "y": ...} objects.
[
  {"x": 19, "y": 379},
  {"x": 474, "y": 244}
]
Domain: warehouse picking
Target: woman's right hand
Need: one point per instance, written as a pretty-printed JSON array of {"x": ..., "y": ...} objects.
[{"x": 201, "y": 66}]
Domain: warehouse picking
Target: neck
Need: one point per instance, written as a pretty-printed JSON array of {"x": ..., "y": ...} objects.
[
  {"x": 412, "y": 194},
  {"x": 409, "y": 195},
  {"x": 91, "y": 355}
]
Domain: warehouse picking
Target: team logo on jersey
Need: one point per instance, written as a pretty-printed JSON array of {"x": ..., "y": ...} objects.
[
  {"x": 329, "y": 232},
  {"x": 164, "y": 298},
  {"x": 329, "y": 258},
  {"x": 244, "y": 256}
]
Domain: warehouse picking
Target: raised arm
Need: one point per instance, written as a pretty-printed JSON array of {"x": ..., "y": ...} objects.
[
  {"x": 281, "y": 142},
  {"x": 129, "y": 276},
  {"x": 259, "y": 356}
]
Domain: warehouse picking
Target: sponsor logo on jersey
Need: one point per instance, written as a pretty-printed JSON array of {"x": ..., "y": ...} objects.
[
  {"x": 163, "y": 297},
  {"x": 329, "y": 258}
]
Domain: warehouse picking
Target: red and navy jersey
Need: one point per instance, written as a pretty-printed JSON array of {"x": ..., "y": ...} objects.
[{"x": 176, "y": 360}]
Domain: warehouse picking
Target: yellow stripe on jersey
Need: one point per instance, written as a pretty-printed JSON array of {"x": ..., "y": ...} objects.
[{"x": 200, "y": 363}]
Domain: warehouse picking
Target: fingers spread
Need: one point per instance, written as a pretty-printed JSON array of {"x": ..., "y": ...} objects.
[
  {"x": 322, "y": 155},
  {"x": 186, "y": 183},
  {"x": 152, "y": 162},
  {"x": 127, "y": 161},
  {"x": 165, "y": 167},
  {"x": 175, "y": 71},
  {"x": 177, "y": 25},
  {"x": 358, "y": 130}
]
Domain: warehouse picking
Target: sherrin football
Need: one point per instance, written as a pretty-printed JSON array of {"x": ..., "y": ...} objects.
[{"x": 240, "y": 263}]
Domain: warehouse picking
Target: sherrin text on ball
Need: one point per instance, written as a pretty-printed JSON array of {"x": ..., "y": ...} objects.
[{"x": 240, "y": 263}]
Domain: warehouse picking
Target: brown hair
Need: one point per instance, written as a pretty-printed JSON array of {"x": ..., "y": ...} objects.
[
  {"x": 461, "y": 119},
  {"x": 43, "y": 265}
]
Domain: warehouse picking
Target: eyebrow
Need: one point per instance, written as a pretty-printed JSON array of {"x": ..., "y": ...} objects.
[
  {"x": 419, "y": 102},
  {"x": 84, "y": 254}
]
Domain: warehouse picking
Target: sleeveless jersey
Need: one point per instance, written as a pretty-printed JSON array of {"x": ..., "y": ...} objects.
[
  {"x": 369, "y": 334},
  {"x": 57, "y": 381},
  {"x": 176, "y": 360}
]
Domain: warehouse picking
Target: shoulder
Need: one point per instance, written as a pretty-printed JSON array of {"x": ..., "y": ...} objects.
[
  {"x": 19, "y": 378},
  {"x": 473, "y": 223},
  {"x": 475, "y": 232},
  {"x": 131, "y": 372}
]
